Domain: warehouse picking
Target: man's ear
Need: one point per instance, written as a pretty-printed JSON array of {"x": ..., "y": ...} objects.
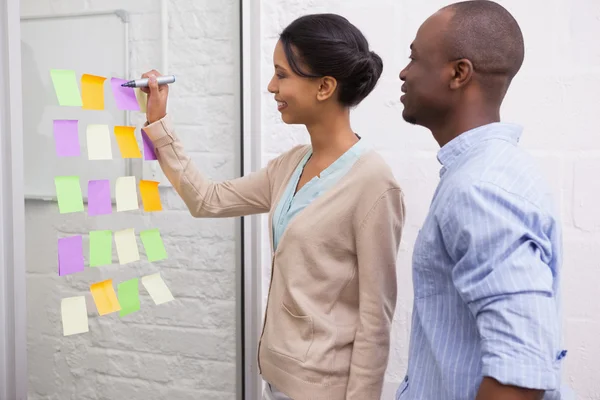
[
  {"x": 462, "y": 73},
  {"x": 327, "y": 86}
]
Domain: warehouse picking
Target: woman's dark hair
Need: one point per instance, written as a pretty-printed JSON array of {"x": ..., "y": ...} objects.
[{"x": 329, "y": 45}]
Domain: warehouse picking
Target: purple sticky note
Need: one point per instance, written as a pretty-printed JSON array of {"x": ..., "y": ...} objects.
[
  {"x": 148, "y": 147},
  {"x": 66, "y": 138},
  {"x": 70, "y": 255},
  {"x": 124, "y": 96},
  {"x": 99, "y": 197}
]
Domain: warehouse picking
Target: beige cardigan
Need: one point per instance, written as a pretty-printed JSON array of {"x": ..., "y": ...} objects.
[{"x": 332, "y": 295}]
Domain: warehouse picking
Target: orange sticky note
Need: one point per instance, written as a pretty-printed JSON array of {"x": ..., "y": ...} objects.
[
  {"x": 127, "y": 144},
  {"x": 105, "y": 297},
  {"x": 92, "y": 92},
  {"x": 150, "y": 195}
]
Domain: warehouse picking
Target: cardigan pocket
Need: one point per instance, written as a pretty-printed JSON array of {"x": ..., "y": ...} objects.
[{"x": 294, "y": 336}]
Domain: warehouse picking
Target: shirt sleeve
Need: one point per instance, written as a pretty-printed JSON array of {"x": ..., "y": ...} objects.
[
  {"x": 505, "y": 271},
  {"x": 250, "y": 194},
  {"x": 377, "y": 249}
]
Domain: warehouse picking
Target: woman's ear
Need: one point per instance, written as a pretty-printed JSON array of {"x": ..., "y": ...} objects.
[{"x": 327, "y": 86}]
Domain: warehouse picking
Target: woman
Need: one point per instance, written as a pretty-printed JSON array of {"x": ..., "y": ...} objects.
[{"x": 336, "y": 216}]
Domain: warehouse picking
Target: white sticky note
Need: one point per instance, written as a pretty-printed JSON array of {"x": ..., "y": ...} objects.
[
  {"x": 126, "y": 194},
  {"x": 74, "y": 315},
  {"x": 142, "y": 99},
  {"x": 157, "y": 288},
  {"x": 98, "y": 142},
  {"x": 127, "y": 248}
]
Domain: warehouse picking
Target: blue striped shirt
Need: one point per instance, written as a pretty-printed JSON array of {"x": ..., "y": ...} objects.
[{"x": 486, "y": 268}]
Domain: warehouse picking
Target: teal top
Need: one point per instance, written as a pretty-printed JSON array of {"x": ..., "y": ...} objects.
[{"x": 291, "y": 204}]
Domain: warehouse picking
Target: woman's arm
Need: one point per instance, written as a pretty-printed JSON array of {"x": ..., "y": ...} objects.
[
  {"x": 250, "y": 194},
  {"x": 377, "y": 248}
]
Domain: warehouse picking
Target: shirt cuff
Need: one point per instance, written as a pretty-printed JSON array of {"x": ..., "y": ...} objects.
[
  {"x": 523, "y": 375},
  {"x": 160, "y": 132}
]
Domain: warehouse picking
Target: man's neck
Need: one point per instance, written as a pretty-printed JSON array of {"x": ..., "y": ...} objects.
[{"x": 445, "y": 131}]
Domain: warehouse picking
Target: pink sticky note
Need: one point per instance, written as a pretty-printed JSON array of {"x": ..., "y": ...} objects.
[
  {"x": 99, "y": 197},
  {"x": 70, "y": 255},
  {"x": 66, "y": 138},
  {"x": 124, "y": 96},
  {"x": 148, "y": 147}
]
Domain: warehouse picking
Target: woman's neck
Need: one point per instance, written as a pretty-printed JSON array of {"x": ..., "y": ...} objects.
[{"x": 332, "y": 137}]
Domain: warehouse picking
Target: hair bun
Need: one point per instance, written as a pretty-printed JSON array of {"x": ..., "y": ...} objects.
[
  {"x": 376, "y": 63},
  {"x": 366, "y": 72}
]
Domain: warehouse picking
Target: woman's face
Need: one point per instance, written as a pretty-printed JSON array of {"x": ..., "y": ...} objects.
[{"x": 296, "y": 96}]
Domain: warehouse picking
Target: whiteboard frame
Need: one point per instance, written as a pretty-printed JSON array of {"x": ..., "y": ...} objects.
[
  {"x": 124, "y": 16},
  {"x": 13, "y": 310},
  {"x": 251, "y": 226}
]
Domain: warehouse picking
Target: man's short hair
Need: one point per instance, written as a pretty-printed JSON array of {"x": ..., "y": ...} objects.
[{"x": 485, "y": 33}]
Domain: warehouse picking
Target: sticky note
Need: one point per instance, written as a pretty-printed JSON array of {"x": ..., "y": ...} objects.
[
  {"x": 98, "y": 142},
  {"x": 105, "y": 297},
  {"x": 153, "y": 244},
  {"x": 124, "y": 96},
  {"x": 149, "y": 153},
  {"x": 142, "y": 99},
  {"x": 127, "y": 248},
  {"x": 126, "y": 194},
  {"x": 100, "y": 248},
  {"x": 92, "y": 92},
  {"x": 129, "y": 298},
  {"x": 127, "y": 144},
  {"x": 150, "y": 196},
  {"x": 70, "y": 255},
  {"x": 157, "y": 289},
  {"x": 68, "y": 192},
  {"x": 74, "y": 315},
  {"x": 65, "y": 86},
  {"x": 99, "y": 202},
  {"x": 66, "y": 138}
]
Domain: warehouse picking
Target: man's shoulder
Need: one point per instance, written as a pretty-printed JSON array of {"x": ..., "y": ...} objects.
[{"x": 507, "y": 169}]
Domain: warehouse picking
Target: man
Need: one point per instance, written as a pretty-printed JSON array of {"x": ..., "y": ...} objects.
[{"x": 486, "y": 263}]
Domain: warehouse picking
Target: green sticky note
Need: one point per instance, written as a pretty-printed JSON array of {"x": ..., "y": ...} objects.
[
  {"x": 65, "y": 86},
  {"x": 129, "y": 298},
  {"x": 100, "y": 248},
  {"x": 153, "y": 244},
  {"x": 68, "y": 192}
]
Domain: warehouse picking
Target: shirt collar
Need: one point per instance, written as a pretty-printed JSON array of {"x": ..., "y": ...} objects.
[{"x": 452, "y": 150}]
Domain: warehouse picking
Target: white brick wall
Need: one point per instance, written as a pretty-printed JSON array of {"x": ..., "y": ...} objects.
[
  {"x": 554, "y": 97},
  {"x": 185, "y": 349}
]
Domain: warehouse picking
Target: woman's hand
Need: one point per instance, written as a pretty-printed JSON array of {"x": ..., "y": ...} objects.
[{"x": 157, "y": 97}]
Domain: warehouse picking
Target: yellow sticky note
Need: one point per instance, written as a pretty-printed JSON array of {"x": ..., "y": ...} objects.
[
  {"x": 127, "y": 144},
  {"x": 105, "y": 297},
  {"x": 126, "y": 194},
  {"x": 98, "y": 142},
  {"x": 127, "y": 248},
  {"x": 157, "y": 289},
  {"x": 74, "y": 315},
  {"x": 150, "y": 195},
  {"x": 92, "y": 92},
  {"x": 142, "y": 99}
]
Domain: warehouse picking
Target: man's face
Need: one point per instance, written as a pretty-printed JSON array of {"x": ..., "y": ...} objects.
[{"x": 426, "y": 78}]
